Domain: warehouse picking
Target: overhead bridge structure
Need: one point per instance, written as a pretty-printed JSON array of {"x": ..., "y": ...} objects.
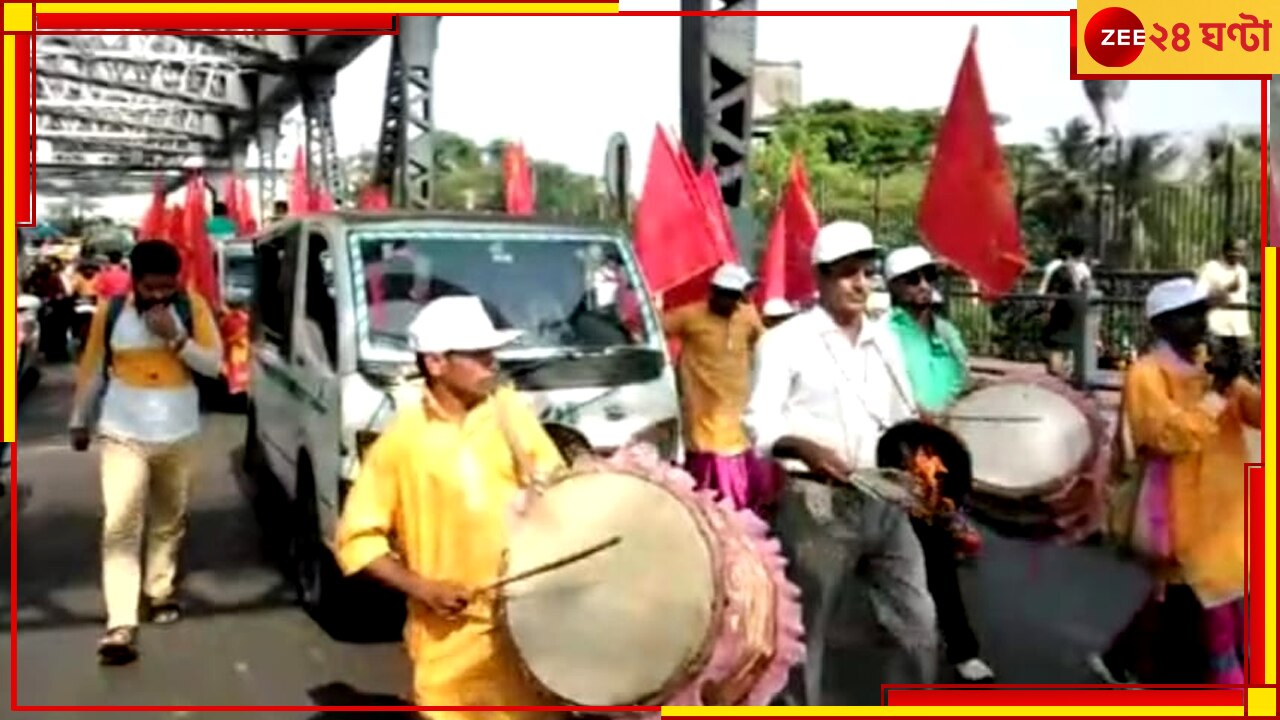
[{"x": 115, "y": 111}]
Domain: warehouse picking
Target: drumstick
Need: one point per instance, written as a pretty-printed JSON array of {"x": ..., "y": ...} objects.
[{"x": 553, "y": 565}]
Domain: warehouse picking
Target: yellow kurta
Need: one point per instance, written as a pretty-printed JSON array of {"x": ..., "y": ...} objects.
[
  {"x": 1206, "y": 476},
  {"x": 436, "y": 491},
  {"x": 715, "y": 374}
]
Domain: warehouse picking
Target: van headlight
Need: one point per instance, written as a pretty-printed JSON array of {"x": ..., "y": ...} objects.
[{"x": 665, "y": 436}]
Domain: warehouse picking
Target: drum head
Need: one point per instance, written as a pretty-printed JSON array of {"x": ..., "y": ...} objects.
[
  {"x": 620, "y": 626},
  {"x": 1016, "y": 457}
]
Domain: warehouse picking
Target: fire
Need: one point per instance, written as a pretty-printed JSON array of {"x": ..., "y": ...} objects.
[{"x": 926, "y": 465}]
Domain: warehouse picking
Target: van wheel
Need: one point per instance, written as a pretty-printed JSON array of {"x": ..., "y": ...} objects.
[
  {"x": 315, "y": 574},
  {"x": 351, "y": 609}
]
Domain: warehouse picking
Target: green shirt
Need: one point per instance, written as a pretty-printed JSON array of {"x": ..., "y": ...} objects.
[
  {"x": 220, "y": 228},
  {"x": 937, "y": 362}
]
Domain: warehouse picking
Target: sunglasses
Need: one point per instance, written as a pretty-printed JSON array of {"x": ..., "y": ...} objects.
[{"x": 913, "y": 278}]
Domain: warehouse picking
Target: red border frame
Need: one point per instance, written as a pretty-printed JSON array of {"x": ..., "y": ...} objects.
[{"x": 1060, "y": 695}]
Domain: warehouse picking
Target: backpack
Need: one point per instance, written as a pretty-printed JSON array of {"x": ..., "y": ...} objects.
[{"x": 115, "y": 306}]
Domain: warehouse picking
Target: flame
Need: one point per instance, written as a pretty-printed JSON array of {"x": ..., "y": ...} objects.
[{"x": 926, "y": 465}]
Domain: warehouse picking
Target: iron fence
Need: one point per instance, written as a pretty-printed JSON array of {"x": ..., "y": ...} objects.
[{"x": 1012, "y": 327}]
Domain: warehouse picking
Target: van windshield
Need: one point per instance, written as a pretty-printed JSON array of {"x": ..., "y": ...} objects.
[
  {"x": 241, "y": 272},
  {"x": 564, "y": 292}
]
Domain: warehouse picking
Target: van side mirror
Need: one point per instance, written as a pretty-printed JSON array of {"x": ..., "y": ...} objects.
[{"x": 28, "y": 303}]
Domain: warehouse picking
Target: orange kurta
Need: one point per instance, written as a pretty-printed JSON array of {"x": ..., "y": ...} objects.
[
  {"x": 1162, "y": 397},
  {"x": 436, "y": 491},
  {"x": 715, "y": 374}
]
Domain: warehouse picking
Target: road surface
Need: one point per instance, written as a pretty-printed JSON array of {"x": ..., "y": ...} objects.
[{"x": 1038, "y": 609}]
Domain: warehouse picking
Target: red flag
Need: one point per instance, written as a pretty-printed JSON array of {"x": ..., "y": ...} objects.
[
  {"x": 786, "y": 270},
  {"x": 713, "y": 208},
  {"x": 202, "y": 277},
  {"x": 152, "y": 226},
  {"x": 239, "y": 205},
  {"x": 673, "y": 235},
  {"x": 518, "y": 175},
  {"x": 967, "y": 214},
  {"x": 373, "y": 197},
  {"x": 300, "y": 188}
]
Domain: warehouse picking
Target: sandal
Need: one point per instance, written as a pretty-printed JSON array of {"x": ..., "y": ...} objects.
[
  {"x": 118, "y": 646},
  {"x": 165, "y": 612}
]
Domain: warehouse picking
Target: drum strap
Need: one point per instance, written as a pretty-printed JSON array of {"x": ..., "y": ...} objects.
[{"x": 525, "y": 470}]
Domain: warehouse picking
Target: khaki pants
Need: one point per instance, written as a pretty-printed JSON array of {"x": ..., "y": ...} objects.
[{"x": 144, "y": 497}]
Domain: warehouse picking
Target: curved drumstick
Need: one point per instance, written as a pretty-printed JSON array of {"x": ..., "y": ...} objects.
[{"x": 552, "y": 565}]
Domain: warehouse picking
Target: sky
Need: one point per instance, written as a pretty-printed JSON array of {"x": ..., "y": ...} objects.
[{"x": 564, "y": 85}]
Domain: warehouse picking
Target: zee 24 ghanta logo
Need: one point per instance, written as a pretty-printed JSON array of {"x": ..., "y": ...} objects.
[{"x": 1115, "y": 37}]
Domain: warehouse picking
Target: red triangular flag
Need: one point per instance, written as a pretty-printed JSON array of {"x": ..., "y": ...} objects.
[
  {"x": 673, "y": 238},
  {"x": 153, "y": 226},
  {"x": 202, "y": 276},
  {"x": 967, "y": 213},
  {"x": 786, "y": 270},
  {"x": 518, "y": 176},
  {"x": 299, "y": 188}
]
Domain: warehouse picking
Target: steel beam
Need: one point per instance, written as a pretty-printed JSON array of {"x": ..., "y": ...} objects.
[
  {"x": 145, "y": 64},
  {"x": 717, "y": 58},
  {"x": 406, "y": 155},
  {"x": 321, "y": 143}
]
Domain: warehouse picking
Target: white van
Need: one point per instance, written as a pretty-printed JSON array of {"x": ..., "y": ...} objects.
[{"x": 331, "y": 361}]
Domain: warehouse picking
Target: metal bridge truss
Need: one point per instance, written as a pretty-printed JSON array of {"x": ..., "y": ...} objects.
[{"x": 118, "y": 110}]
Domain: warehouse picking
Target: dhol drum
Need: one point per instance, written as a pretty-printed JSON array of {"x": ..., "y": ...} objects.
[
  {"x": 1040, "y": 456},
  {"x": 690, "y": 607}
]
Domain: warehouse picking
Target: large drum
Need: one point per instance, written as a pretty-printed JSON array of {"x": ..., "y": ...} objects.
[
  {"x": 1040, "y": 456},
  {"x": 691, "y": 607}
]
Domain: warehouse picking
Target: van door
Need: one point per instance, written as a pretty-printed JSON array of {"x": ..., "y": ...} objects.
[
  {"x": 316, "y": 362},
  {"x": 272, "y": 378}
]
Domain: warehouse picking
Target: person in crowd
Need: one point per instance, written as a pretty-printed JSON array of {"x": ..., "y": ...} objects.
[
  {"x": 135, "y": 384},
  {"x": 428, "y": 513},
  {"x": 1185, "y": 422},
  {"x": 113, "y": 280},
  {"x": 1226, "y": 281},
  {"x": 1070, "y": 275},
  {"x": 717, "y": 342},
  {"x": 828, "y": 384},
  {"x": 49, "y": 283},
  {"x": 220, "y": 227},
  {"x": 777, "y": 311},
  {"x": 937, "y": 365}
]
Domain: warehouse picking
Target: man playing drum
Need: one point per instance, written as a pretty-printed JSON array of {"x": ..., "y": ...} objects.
[
  {"x": 428, "y": 513},
  {"x": 717, "y": 339},
  {"x": 937, "y": 366},
  {"x": 1188, "y": 522},
  {"x": 828, "y": 383}
]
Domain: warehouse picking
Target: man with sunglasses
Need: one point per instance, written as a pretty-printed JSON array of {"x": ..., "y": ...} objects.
[
  {"x": 938, "y": 367},
  {"x": 829, "y": 382}
]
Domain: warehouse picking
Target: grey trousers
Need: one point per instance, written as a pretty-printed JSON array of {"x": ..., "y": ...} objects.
[{"x": 833, "y": 537}]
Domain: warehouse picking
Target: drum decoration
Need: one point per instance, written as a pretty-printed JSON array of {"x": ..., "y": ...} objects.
[
  {"x": 1040, "y": 454},
  {"x": 692, "y": 606}
]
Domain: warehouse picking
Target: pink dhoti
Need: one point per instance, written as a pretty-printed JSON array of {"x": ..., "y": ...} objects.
[{"x": 744, "y": 479}]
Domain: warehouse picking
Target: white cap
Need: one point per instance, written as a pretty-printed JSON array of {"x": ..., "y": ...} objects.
[
  {"x": 841, "y": 239},
  {"x": 731, "y": 276},
  {"x": 1174, "y": 295},
  {"x": 778, "y": 307},
  {"x": 456, "y": 323},
  {"x": 906, "y": 260}
]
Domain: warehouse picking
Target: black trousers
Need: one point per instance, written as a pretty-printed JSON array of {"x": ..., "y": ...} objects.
[{"x": 942, "y": 574}]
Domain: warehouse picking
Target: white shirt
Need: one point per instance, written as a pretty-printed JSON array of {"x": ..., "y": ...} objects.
[
  {"x": 1215, "y": 276},
  {"x": 812, "y": 381},
  {"x": 157, "y": 415}
]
